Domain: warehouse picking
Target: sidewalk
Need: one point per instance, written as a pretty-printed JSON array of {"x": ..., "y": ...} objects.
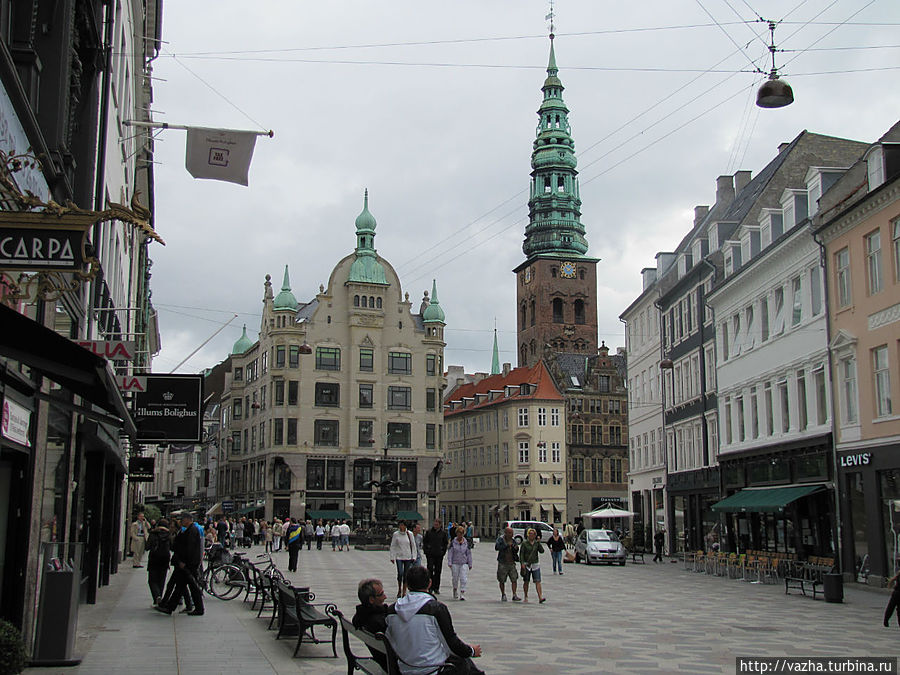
[{"x": 633, "y": 619}]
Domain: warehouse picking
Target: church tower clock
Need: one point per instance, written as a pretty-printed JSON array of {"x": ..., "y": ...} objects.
[{"x": 556, "y": 286}]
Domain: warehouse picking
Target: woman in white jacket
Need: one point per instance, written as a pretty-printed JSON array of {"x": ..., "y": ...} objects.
[{"x": 403, "y": 553}]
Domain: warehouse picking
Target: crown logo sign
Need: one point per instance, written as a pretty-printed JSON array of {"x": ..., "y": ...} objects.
[{"x": 168, "y": 396}]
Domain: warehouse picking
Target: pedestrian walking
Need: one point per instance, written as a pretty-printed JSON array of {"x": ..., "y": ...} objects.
[
  {"x": 334, "y": 531},
  {"x": 159, "y": 550},
  {"x": 344, "y": 544},
  {"x": 309, "y": 532},
  {"x": 222, "y": 531},
  {"x": 570, "y": 535},
  {"x": 470, "y": 533},
  {"x": 556, "y": 545},
  {"x": 434, "y": 543},
  {"x": 257, "y": 532},
  {"x": 459, "y": 558},
  {"x": 187, "y": 554},
  {"x": 403, "y": 554},
  {"x": 267, "y": 535},
  {"x": 320, "y": 535},
  {"x": 531, "y": 564},
  {"x": 507, "y": 557},
  {"x": 419, "y": 539},
  {"x": 659, "y": 539},
  {"x": 894, "y": 601},
  {"x": 294, "y": 536},
  {"x": 277, "y": 531},
  {"x": 239, "y": 534},
  {"x": 140, "y": 530}
]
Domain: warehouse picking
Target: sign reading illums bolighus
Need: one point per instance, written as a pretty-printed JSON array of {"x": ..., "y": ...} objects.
[{"x": 170, "y": 409}]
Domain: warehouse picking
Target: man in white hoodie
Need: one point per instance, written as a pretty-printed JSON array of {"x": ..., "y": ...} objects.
[{"x": 421, "y": 632}]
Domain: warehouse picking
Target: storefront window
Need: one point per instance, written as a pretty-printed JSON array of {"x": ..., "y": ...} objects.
[
  {"x": 859, "y": 524},
  {"x": 890, "y": 496},
  {"x": 679, "y": 505},
  {"x": 813, "y": 467}
]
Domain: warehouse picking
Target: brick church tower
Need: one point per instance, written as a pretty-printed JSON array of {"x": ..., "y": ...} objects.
[{"x": 556, "y": 286}]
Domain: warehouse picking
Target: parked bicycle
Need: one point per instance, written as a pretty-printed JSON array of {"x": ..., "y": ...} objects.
[{"x": 222, "y": 576}]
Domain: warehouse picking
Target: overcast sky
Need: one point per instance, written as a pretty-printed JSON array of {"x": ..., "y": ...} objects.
[{"x": 431, "y": 106}]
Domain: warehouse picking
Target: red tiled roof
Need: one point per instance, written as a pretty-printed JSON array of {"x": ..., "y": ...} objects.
[{"x": 544, "y": 389}]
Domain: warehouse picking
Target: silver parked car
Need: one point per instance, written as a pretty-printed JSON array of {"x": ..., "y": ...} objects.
[{"x": 599, "y": 546}]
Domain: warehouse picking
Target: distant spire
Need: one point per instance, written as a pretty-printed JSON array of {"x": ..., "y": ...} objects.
[
  {"x": 433, "y": 312},
  {"x": 285, "y": 299},
  {"x": 495, "y": 361}
]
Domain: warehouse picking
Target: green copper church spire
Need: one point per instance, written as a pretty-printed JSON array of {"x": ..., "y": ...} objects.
[
  {"x": 495, "y": 361},
  {"x": 433, "y": 313},
  {"x": 285, "y": 299},
  {"x": 554, "y": 208},
  {"x": 366, "y": 268}
]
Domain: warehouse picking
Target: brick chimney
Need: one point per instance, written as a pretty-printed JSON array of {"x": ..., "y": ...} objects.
[
  {"x": 699, "y": 214},
  {"x": 724, "y": 190},
  {"x": 741, "y": 178}
]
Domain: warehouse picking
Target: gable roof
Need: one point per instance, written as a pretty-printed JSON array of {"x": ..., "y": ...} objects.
[{"x": 537, "y": 375}]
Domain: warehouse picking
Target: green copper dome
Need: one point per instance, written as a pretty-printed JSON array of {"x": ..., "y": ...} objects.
[
  {"x": 433, "y": 313},
  {"x": 243, "y": 343},
  {"x": 554, "y": 208},
  {"x": 285, "y": 299},
  {"x": 366, "y": 269}
]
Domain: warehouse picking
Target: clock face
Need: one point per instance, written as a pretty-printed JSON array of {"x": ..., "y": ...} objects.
[{"x": 567, "y": 269}]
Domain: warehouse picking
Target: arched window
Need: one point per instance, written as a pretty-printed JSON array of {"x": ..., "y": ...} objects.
[
  {"x": 524, "y": 318},
  {"x": 371, "y": 301},
  {"x": 533, "y": 347},
  {"x": 553, "y": 272},
  {"x": 378, "y": 303},
  {"x": 579, "y": 311},
  {"x": 557, "y": 310},
  {"x": 356, "y": 301},
  {"x": 561, "y": 184},
  {"x": 533, "y": 313},
  {"x": 364, "y": 301},
  {"x": 581, "y": 274},
  {"x": 523, "y": 356}
]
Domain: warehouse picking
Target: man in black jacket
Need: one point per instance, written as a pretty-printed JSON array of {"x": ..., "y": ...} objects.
[
  {"x": 187, "y": 554},
  {"x": 435, "y": 542},
  {"x": 421, "y": 632},
  {"x": 371, "y": 612}
]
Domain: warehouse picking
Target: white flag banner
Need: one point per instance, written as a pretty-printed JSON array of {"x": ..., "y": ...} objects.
[{"x": 219, "y": 154}]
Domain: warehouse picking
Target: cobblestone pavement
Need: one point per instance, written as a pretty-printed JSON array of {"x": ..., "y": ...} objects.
[{"x": 635, "y": 619}]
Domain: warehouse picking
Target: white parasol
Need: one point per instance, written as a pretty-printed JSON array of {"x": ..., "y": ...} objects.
[{"x": 608, "y": 512}]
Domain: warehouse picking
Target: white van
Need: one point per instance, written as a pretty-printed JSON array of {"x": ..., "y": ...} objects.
[{"x": 521, "y": 527}]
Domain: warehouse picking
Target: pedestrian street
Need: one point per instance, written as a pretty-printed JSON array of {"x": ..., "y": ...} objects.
[{"x": 635, "y": 619}]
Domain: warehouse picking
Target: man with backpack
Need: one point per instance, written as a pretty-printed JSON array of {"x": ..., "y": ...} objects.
[
  {"x": 294, "y": 536},
  {"x": 158, "y": 552}
]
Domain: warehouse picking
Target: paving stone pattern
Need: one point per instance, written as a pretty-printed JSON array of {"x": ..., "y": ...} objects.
[{"x": 648, "y": 618}]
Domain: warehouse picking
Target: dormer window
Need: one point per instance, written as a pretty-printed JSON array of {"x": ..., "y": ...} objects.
[
  {"x": 875, "y": 163},
  {"x": 765, "y": 234}
]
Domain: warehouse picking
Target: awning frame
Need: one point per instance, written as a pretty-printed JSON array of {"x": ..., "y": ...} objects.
[{"x": 766, "y": 499}]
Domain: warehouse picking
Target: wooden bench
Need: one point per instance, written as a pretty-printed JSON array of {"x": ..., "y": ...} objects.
[
  {"x": 805, "y": 576},
  {"x": 297, "y": 615},
  {"x": 376, "y": 642},
  {"x": 637, "y": 554}
]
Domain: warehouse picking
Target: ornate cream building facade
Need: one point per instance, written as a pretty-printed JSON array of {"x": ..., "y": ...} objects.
[{"x": 330, "y": 386}]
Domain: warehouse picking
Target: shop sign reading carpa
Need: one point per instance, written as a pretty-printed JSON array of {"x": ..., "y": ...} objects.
[
  {"x": 858, "y": 459},
  {"x": 42, "y": 242}
]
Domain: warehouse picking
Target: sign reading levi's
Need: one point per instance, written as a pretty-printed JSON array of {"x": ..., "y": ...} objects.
[
  {"x": 41, "y": 249},
  {"x": 168, "y": 410}
]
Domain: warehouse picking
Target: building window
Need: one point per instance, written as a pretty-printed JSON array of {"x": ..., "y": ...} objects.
[
  {"x": 366, "y": 436},
  {"x": 362, "y": 475},
  {"x": 399, "y": 398},
  {"x": 523, "y": 417},
  {"x": 554, "y": 417},
  {"x": 821, "y": 400},
  {"x": 542, "y": 417},
  {"x": 524, "y": 454},
  {"x": 328, "y": 358},
  {"x": 815, "y": 291},
  {"x": 785, "y": 406},
  {"x": 754, "y": 414},
  {"x": 366, "y": 395},
  {"x": 873, "y": 261},
  {"x": 802, "y": 413},
  {"x": 328, "y": 394},
  {"x": 429, "y": 436},
  {"x": 577, "y": 434},
  {"x": 555, "y": 452},
  {"x": 779, "y": 311},
  {"x": 326, "y": 433},
  {"x": 615, "y": 470},
  {"x": 398, "y": 434},
  {"x": 578, "y": 469},
  {"x": 430, "y": 364},
  {"x": 399, "y": 363},
  {"x": 882, "y": 377},
  {"x": 236, "y": 441},
  {"x": 278, "y": 431},
  {"x": 293, "y": 392},
  {"x": 728, "y": 421},
  {"x": 237, "y": 409},
  {"x": 431, "y": 400},
  {"x": 292, "y": 431},
  {"x": 848, "y": 390},
  {"x": 579, "y": 312},
  {"x": 842, "y": 270},
  {"x": 315, "y": 474},
  {"x": 294, "y": 356},
  {"x": 615, "y": 436},
  {"x": 764, "y": 318},
  {"x": 896, "y": 249},
  {"x": 334, "y": 476},
  {"x": 238, "y": 374},
  {"x": 557, "y": 310},
  {"x": 596, "y": 465},
  {"x": 770, "y": 414},
  {"x": 279, "y": 356},
  {"x": 542, "y": 452},
  {"x": 797, "y": 312},
  {"x": 366, "y": 360}
]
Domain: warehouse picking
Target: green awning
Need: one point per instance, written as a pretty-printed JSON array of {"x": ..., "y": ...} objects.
[
  {"x": 764, "y": 500},
  {"x": 245, "y": 510},
  {"x": 336, "y": 514},
  {"x": 410, "y": 515}
]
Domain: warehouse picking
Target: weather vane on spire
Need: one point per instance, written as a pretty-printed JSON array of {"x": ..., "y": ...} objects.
[{"x": 551, "y": 17}]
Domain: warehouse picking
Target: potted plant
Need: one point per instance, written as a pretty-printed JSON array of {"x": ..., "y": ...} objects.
[{"x": 12, "y": 649}]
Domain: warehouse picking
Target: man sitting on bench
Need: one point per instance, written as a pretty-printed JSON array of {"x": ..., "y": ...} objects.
[
  {"x": 371, "y": 612},
  {"x": 421, "y": 632}
]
